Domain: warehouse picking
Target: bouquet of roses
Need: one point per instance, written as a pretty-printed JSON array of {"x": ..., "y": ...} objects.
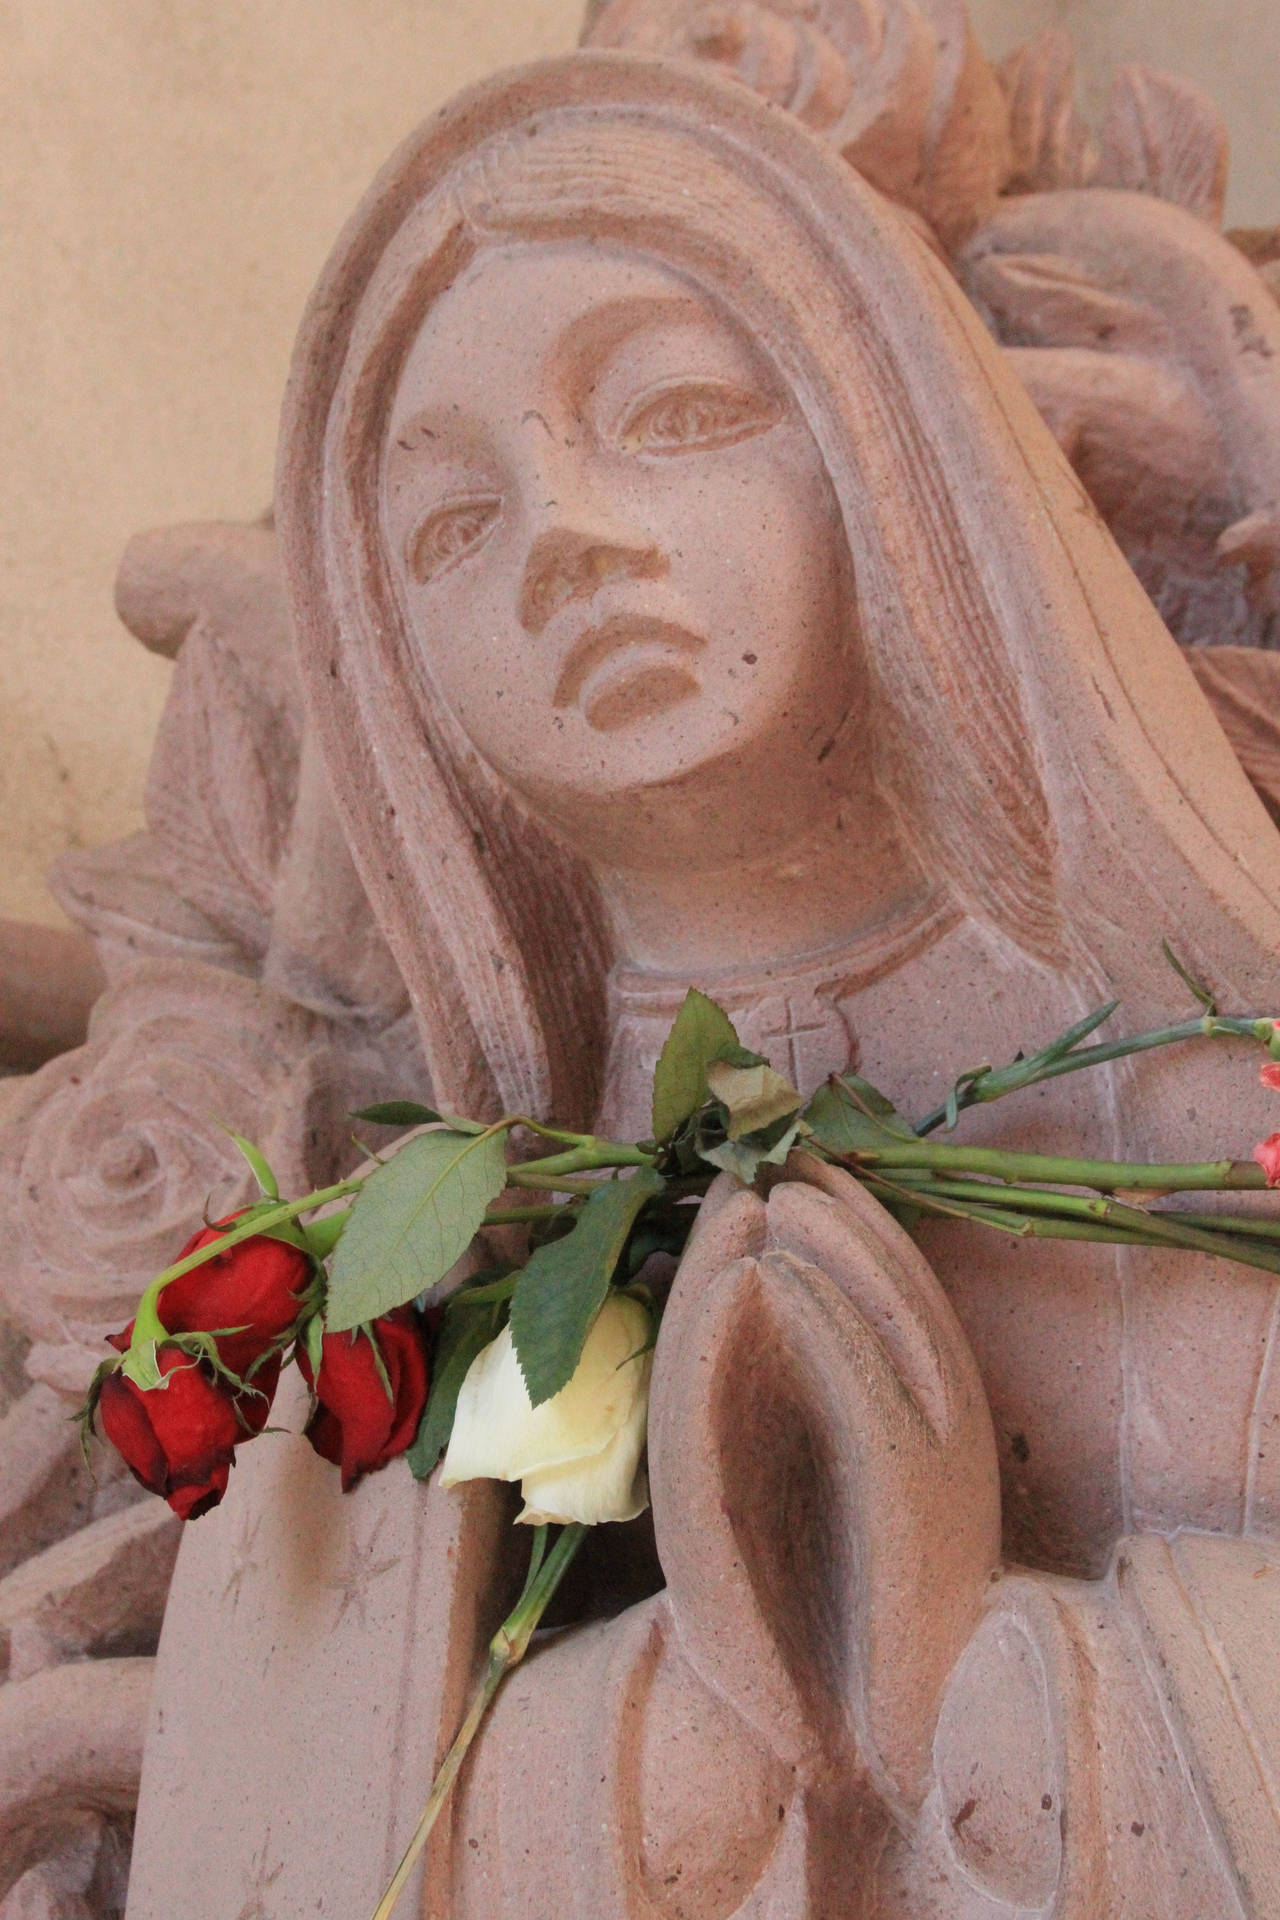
[{"x": 537, "y": 1368}]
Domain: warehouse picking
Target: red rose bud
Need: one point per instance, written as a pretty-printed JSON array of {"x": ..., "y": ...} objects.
[
  {"x": 256, "y": 1285},
  {"x": 1267, "y": 1155},
  {"x": 1270, "y": 1075},
  {"x": 179, "y": 1440},
  {"x": 357, "y": 1424}
]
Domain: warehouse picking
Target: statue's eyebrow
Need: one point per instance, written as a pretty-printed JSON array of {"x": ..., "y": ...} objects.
[
  {"x": 592, "y": 338},
  {"x": 578, "y": 359}
]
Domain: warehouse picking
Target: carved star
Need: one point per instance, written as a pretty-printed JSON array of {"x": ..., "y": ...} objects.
[
  {"x": 242, "y": 1561},
  {"x": 260, "y": 1880},
  {"x": 360, "y": 1570}
]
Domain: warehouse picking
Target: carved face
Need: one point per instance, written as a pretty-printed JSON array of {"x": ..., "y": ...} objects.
[{"x": 621, "y": 557}]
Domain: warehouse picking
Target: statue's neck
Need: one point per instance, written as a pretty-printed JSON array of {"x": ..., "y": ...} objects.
[
  {"x": 830, "y": 890},
  {"x": 787, "y": 961}
]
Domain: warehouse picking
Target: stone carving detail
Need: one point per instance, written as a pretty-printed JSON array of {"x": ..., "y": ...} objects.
[
  {"x": 1052, "y": 146},
  {"x": 963, "y": 773},
  {"x": 489, "y": 864},
  {"x": 107, "y": 1148},
  {"x": 249, "y": 987},
  {"x": 899, "y": 89},
  {"x": 242, "y": 864},
  {"x": 1164, "y": 136},
  {"x": 964, "y": 1754}
]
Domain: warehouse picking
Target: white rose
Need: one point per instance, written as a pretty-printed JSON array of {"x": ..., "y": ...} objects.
[{"x": 577, "y": 1456}]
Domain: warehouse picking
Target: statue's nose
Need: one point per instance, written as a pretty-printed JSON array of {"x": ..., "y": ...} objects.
[{"x": 568, "y": 563}]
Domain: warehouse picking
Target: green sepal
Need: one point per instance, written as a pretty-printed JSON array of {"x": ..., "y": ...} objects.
[
  {"x": 86, "y": 1415},
  {"x": 562, "y": 1288},
  {"x": 1202, "y": 993},
  {"x": 466, "y": 1329},
  {"x": 378, "y": 1361},
  {"x": 141, "y": 1365},
  {"x": 312, "y": 1338},
  {"x": 259, "y": 1165},
  {"x": 701, "y": 1033},
  {"x": 287, "y": 1230},
  {"x": 322, "y": 1236},
  {"x": 290, "y": 1232}
]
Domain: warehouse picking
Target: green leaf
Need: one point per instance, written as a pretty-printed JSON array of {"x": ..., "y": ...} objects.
[
  {"x": 563, "y": 1287},
  {"x": 398, "y": 1113},
  {"x": 848, "y": 1114},
  {"x": 753, "y": 1097},
  {"x": 413, "y": 1219},
  {"x": 259, "y": 1165},
  {"x": 702, "y": 1031},
  {"x": 464, "y": 1331}
]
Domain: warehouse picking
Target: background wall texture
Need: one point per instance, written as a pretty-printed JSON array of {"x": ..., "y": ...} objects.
[{"x": 172, "y": 174}]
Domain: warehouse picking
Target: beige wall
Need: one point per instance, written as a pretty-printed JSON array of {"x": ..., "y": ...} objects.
[{"x": 172, "y": 173}]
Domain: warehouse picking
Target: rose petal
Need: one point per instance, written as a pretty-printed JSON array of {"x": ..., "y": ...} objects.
[
  {"x": 1267, "y": 1155},
  {"x": 608, "y": 1486},
  {"x": 357, "y": 1424},
  {"x": 498, "y": 1435}
]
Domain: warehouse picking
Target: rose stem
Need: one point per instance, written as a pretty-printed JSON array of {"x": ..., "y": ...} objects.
[
  {"x": 1219, "y": 1176},
  {"x": 1064, "y": 1056},
  {"x": 147, "y": 1323},
  {"x": 589, "y": 1155},
  {"x": 1078, "y": 1218},
  {"x": 506, "y": 1650}
]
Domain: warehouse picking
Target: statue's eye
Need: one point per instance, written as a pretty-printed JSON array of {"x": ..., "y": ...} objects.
[
  {"x": 451, "y": 533},
  {"x": 694, "y": 415}
]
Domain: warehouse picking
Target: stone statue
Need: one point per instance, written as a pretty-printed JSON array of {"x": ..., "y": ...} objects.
[
  {"x": 538, "y": 913},
  {"x": 686, "y": 591}
]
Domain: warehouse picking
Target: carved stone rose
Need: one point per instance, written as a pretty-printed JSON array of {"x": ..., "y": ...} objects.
[{"x": 113, "y": 1150}]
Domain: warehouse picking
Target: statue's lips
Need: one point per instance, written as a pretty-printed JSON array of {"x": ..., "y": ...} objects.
[{"x": 628, "y": 667}]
